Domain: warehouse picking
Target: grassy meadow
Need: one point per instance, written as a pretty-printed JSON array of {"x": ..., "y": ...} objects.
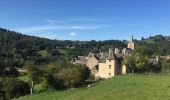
[{"x": 123, "y": 87}]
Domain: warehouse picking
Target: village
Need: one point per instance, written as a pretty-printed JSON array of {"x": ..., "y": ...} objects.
[{"x": 109, "y": 64}]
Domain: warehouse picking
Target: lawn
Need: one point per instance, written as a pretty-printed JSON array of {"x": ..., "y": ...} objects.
[{"x": 123, "y": 87}]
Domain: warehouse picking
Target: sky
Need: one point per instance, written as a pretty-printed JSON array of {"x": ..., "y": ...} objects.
[{"x": 86, "y": 19}]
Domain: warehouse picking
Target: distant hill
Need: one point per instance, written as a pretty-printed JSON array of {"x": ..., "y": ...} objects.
[
  {"x": 16, "y": 49},
  {"x": 156, "y": 45}
]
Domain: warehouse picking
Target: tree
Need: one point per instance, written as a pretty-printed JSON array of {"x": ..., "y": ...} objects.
[
  {"x": 73, "y": 76},
  {"x": 11, "y": 72},
  {"x": 129, "y": 61},
  {"x": 36, "y": 76},
  {"x": 2, "y": 95},
  {"x": 12, "y": 87},
  {"x": 141, "y": 62},
  {"x": 66, "y": 75},
  {"x": 136, "y": 61}
]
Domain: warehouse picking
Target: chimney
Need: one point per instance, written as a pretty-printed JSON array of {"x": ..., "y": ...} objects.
[
  {"x": 110, "y": 51},
  {"x": 101, "y": 55},
  {"x": 131, "y": 40},
  {"x": 157, "y": 58},
  {"x": 116, "y": 51}
]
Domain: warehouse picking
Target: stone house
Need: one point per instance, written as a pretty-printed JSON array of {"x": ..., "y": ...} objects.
[
  {"x": 109, "y": 67},
  {"x": 91, "y": 61},
  {"x": 154, "y": 64},
  {"x": 106, "y": 64}
]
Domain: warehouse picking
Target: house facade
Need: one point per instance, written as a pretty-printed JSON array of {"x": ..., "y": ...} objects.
[{"x": 109, "y": 67}]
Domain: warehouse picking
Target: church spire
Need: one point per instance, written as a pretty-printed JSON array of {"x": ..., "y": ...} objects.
[
  {"x": 131, "y": 40},
  {"x": 131, "y": 44}
]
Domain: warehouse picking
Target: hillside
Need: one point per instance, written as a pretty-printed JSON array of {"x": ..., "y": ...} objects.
[
  {"x": 17, "y": 49},
  {"x": 123, "y": 87}
]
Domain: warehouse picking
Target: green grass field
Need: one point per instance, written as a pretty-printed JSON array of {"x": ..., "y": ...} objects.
[{"x": 123, "y": 87}]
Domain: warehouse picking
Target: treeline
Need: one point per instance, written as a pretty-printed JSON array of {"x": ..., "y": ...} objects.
[{"x": 155, "y": 45}]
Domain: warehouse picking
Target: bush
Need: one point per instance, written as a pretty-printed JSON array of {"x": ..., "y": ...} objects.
[
  {"x": 35, "y": 74},
  {"x": 165, "y": 67},
  {"x": 2, "y": 95},
  {"x": 11, "y": 72},
  {"x": 91, "y": 77},
  {"x": 13, "y": 87},
  {"x": 54, "y": 82},
  {"x": 69, "y": 77}
]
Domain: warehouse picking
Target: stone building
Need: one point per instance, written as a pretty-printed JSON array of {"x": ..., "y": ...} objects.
[
  {"x": 154, "y": 64},
  {"x": 106, "y": 64},
  {"x": 109, "y": 66},
  {"x": 91, "y": 61},
  {"x": 130, "y": 47},
  {"x": 131, "y": 44},
  {"x": 165, "y": 57}
]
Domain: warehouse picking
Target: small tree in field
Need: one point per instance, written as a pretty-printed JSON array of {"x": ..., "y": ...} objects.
[
  {"x": 141, "y": 62},
  {"x": 129, "y": 61},
  {"x": 136, "y": 61},
  {"x": 36, "y": 76}
]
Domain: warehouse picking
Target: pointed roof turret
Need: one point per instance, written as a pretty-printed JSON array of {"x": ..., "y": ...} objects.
[
  {"x": 131, "y": 40},
  {"x": 111, "y": 55}
]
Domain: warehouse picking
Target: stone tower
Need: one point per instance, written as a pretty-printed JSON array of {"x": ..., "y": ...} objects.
[{"x": 131, "y": 44}]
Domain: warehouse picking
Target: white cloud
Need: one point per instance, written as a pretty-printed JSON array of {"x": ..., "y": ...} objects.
[
  {"x": 87, "y": 27},
  {"x": 56, "y": 27},
  {"x": 49, "y": 35},
  {"x": 54, "y": 21},
  {"x": 73, "y": 20},
  {"x": 72, "y": 34}
]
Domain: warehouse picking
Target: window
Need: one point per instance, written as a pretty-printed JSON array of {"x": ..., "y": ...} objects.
[
  {"x": 110, "y": 60},
  {"x": 109, "y": 74},
  {"x": 110, "y": 66}
]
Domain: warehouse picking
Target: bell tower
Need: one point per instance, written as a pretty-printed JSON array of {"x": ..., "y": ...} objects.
[{"x": 131, "y": 44}]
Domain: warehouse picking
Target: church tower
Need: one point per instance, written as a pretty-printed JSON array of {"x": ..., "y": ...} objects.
[{"x": 131, "y": 44}]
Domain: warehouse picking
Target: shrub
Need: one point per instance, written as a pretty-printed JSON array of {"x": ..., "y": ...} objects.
[
  {"x": 13, "y": 87},
  {"x": 69, "y": 77},
  {"x": 54, "y": 82},
  {"x": 11, "y": 72},
  {"x": 73, "y": 76},
  {"x": 91, "y": 77},
  {"x": 165, "y": 67},
  {"x": 2, "y": 95},
  {"x": 35, "y": 74}
]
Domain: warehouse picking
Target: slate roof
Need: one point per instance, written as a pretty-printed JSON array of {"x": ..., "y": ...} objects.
[
  {"x": 108, "y": 56},
  {"x": 102, "y": 57},
  {"x": 111, "y": 56}
]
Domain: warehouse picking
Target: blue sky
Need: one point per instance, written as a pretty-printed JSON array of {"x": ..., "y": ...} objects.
[{"x": 86, "y": 19}]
